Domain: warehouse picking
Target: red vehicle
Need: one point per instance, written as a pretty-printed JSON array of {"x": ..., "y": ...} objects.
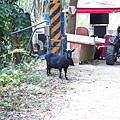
[{"x": 113, "y": 50}]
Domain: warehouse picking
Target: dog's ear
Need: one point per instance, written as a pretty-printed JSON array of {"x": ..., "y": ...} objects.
[{"x": 73, "y": 50}]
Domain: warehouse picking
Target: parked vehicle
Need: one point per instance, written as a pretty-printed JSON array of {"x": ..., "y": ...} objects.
[{"x": 113, "y": 50}]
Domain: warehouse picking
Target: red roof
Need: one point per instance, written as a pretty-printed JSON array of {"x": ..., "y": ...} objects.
[{"x": 97, "y": 7}]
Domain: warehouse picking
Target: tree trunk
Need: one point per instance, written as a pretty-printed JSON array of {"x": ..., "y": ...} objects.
[
  {"x": 15, "y": 44},
  {"x": 71, "y": 22},
  {"x": 29, "y": 31}
]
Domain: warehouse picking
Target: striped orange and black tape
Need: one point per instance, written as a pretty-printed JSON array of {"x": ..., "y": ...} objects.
[{"x": 55, "y": 30}]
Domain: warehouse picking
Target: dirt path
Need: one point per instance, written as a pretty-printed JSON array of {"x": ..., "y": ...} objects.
[{"x": 93, "y": 94}]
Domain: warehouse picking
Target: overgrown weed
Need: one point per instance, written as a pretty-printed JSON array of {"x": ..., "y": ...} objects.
[{"x": 23, "y": 88}]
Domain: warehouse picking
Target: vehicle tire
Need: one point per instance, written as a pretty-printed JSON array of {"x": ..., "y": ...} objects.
[{"x": 110, "y": 55}]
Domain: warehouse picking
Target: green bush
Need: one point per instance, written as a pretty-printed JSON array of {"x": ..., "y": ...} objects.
[{"x": 12, "y": 18}]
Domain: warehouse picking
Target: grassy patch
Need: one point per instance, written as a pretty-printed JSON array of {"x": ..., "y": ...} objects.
[{"x": 23, "y": 89}]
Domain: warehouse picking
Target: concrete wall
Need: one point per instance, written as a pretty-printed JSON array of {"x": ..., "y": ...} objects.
[{"x": 82, "y": 52}]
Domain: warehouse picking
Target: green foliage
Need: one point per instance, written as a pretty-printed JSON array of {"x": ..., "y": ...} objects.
[
  {"x": 8, "y": 1},
  {"x": 10, "y": 96},
  {"x": 11, "y": 79},
  {"x": 22, "y": 88},
  {"x": 20, "y": 74},
  {"x": 9, "y": 75},
  {"x": 12, "y": 18}
]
